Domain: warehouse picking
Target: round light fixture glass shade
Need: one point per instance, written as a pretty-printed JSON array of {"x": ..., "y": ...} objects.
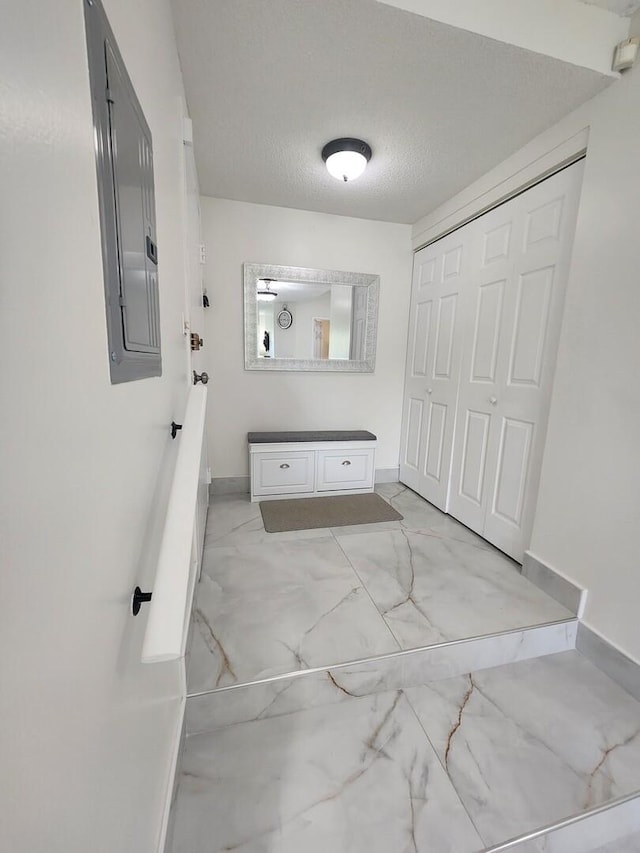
[
  {"x": 346, "y": 159},
  {"x": 264, "y": 293},
  {"x": 346, "y": 165}
]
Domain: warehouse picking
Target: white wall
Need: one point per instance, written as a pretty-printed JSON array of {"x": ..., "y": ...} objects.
[
  {"x": 241, "y": 401},
  {"x": 297, "y": 340},
  {"x": 86, "y": 729},
  {"x": 341, "y": 309},
  {"x": 589, "y": 505},
  {"x": 570, "y": 30},
  {"x": 588, "y": 510}
]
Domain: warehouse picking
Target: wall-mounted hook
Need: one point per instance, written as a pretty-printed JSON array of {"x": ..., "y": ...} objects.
[
  {"x": 200, "y": 377},
  {"x": 174, "y": 428},
  {"x": 139, "y": 597}
]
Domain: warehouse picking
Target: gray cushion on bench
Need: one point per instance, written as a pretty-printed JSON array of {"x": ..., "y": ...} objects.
[{"x": 311, "y": 435}]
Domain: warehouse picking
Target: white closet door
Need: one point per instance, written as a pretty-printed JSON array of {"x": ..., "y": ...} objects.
[
  {"x": 433, "y": 366},
  {"x": 515, "y": 302}
]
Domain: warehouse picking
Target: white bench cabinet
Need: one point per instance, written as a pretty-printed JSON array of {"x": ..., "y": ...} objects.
[{"x": 304, "y": 468}]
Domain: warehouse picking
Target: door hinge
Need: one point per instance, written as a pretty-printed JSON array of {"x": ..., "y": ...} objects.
[
  {"x": 109, "y": 96},
  {"x": 122, "y": 302},
  {"x": 203, "y": 253}
]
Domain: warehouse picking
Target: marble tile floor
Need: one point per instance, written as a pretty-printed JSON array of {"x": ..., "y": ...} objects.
[
  {"x": 313, "y": 688},
  {"x": 269, "y": 604},
  {"x": 358, "y": 777},
  {"x": 461, "y": 765},
  {"x": 582, "y": 834},
  {"x": 531, "y": 743},
  {"x": 630, "y": 844}
]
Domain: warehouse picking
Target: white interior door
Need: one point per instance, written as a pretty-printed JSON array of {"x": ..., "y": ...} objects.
[
  {"x": 433, "y": 366},
  {"x": 515, "y": 300}
]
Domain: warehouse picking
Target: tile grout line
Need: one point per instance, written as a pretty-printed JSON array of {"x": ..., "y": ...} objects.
[
  {"x": 446, "y": 772},
  {"x": 487, "y": 546},
  {"x": 404, "y": 531},
  {"x": 364, "y": 587},
  {"x": 228, "y": 533},
  {"x": 328, "y": 535}
]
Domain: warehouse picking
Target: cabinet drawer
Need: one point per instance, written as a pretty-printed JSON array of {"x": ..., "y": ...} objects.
[
  {"x": 341, "y": 469},
  {"x": 283, "y": 473}
]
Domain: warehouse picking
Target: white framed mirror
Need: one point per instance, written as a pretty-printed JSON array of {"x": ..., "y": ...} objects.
[{"x": 296, "y": 318}]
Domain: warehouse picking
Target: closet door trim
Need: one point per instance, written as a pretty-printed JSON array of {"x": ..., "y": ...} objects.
[{"x": 548, "y": 173}]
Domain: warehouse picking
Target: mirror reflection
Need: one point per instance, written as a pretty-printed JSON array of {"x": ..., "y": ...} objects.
[
  {"x": 310, "y": 320},
  {"x": 297, "y": 318}
]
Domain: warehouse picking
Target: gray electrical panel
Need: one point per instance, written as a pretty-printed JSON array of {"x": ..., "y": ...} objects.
[{"x": 124, "y": 160}]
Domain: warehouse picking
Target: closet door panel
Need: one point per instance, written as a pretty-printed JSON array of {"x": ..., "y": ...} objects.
[
  {"x": 433, "y": 366},
  {"x": 445, "y": 336},
  {"x": 487, "y": 299},
  {"x": 427, "y": 269},
  {"x": 414, "y": 431},
  {"x": 476, "y": 435},
  {"x": 421, "y": 339},
  {"x": 533, "y": 302},
  {"x": 436, "y": 433},
  {"x": 487, "y": 331},
  {"x": 534, "y": 298},
  {"x": 496, "y": 242},
  {"x": 513, "y": 466}
]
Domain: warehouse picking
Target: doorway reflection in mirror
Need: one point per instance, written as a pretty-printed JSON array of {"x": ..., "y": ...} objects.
[
  {"x": 296, "y": 318},
  {"x": 313, "y": 320}
]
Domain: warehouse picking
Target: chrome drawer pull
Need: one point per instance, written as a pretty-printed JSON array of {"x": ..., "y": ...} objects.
[
  {"x": 285, "y": 465},
  {"x": 346, "y": 462}
]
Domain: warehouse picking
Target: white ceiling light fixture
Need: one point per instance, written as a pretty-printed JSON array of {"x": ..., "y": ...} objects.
[
  {"x": 264, "y": 293},
  {"x": 346, "y": 159}
]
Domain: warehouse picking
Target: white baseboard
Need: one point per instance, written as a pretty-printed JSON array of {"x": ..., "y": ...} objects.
[
  {"x": 241, "y": 485},
  {"x": 620, "y": 668},
  {"x": 230, "y": 485},
  {"x": 554, "y": 583},
  {"x": 387, "y": 475}
]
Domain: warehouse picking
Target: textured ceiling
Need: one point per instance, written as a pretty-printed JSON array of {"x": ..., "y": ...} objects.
[
  {"x": 624, "y": 8},
  {"x": 269, "y": 83}
]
